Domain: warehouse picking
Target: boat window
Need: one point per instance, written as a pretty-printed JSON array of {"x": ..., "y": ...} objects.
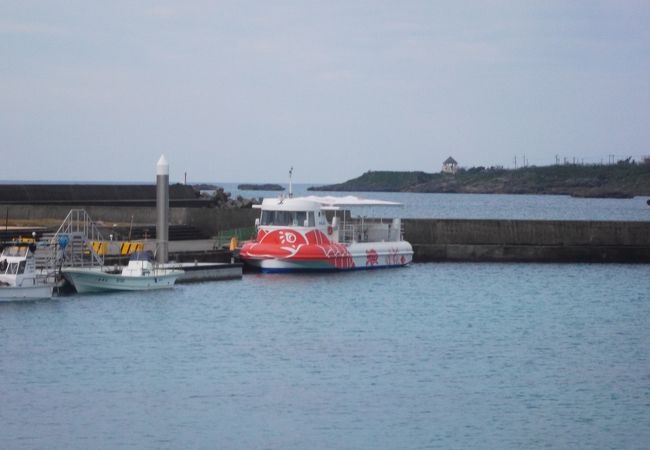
[
  {"x": 21, "y": 267},
  {"x": 267, "y": 218},
  {"x": 12, "y": 269},
  {"x": 15, "y": 251},
  {"x": 310, "y": 216},
  {"x": 286, "y": 218},
  {"x": 299, "y": 218},
  {"x": 275, "y": 218},
  {"x": 146, "y": 255}
]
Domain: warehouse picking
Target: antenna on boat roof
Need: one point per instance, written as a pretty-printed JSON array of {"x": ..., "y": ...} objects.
[{"x": 290, "y": 186}]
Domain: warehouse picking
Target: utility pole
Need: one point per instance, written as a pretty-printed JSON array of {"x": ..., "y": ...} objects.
[
  {"x": 515, "y": 161},
  {"x": 557, "y": 160},
  {"x": 290, "y": 183}
]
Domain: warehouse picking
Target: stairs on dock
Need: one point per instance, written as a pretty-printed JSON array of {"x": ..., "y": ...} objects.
[{"x": 71, "y": 244}]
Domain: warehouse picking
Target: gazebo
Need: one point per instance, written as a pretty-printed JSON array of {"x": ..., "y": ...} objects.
[{"x": 449, "y": 166}]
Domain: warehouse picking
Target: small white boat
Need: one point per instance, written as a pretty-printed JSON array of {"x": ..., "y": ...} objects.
[
  {"x": 294, "y": 234},
  {"x": 18, "y": 277},
  {"x": 141, "y": 274}
]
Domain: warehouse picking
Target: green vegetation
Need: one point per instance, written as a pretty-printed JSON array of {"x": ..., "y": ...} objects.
[
  {"x": 241, "y": 234},
  {"x": 625, "y": 179},
  {"x": 383, "y": 181}
]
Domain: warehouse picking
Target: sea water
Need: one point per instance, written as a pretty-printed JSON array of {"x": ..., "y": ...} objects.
[
  {"x": 492, "y": 356},
  {"x": 483, "y": 206}
]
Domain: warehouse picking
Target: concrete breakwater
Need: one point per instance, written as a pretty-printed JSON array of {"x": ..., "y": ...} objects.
[
  {"x": 98, "y": 194},
  {"x": 432, "y": 239},
  {"x": 209, "y": 220},
  {"x": 528, "y": 240}
]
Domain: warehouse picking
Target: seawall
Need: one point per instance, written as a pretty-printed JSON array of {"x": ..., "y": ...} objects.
[
  {"x": 528, "y": 240},
  {"x": 180, "y": 195},
  {"x": 209, "y": 220},
  {"x": 432, "y": 239}
]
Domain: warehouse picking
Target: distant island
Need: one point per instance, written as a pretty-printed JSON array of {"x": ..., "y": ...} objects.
[
  {"x": 205, "y": 187},
  {"x": 260, "y": 187},
  {"x": 623, "y": 180}
]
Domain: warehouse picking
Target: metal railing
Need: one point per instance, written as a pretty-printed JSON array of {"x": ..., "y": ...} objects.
[
  {"x": 369, "y": 229},
  {"x": 241, "y": 234},
  {"x": 74, "y": 238}
]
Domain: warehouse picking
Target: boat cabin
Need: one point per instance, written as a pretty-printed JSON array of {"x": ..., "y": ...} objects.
[
  {"x": 141, "y": 263},
  {"x": 309, "y": 213},
  {"x": 16, "y": 264}
]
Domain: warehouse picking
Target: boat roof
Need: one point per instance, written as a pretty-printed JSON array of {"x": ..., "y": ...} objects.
[
  {"x": 328, "y": 202},
  {"x": 15, "y": 250},
  {"x": 349, "y": 200}
]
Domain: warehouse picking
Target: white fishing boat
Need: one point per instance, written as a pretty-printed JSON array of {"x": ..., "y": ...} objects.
[
  {"x": 294, "y": 234},
  {"x": 141, "y": 274},
  {"x": 18, "y": 277}
]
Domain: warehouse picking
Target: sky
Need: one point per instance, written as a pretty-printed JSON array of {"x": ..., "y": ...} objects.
[{"x": 243, "y": 90}]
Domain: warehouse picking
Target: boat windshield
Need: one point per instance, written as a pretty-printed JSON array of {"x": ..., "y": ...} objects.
[
  {"x": 142, "y": 256},
  {"x": 288, "y": 218},
  {"x": 15, "y": 268}
]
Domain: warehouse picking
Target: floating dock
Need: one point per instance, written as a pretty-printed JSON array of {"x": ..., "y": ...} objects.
[{"x": 201, "y": 271}]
